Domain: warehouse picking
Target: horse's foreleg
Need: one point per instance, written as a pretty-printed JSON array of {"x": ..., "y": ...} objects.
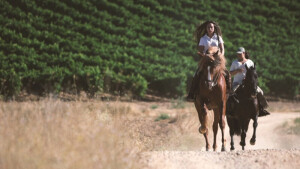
[
  {"x": 243, "y": 137},
  {"x": 203, "y": 120},
  {"x": 215, "y": 130},
  {"x": 243, "y": 134},
  {"x": 202, "y": 115},
  {"x": 255, "y": 124},
  {"x": 206, "y": 140},
  {"x": 231, "y": 131},
  {"x": 222, "y": 124},
  {"x": 215, "y": 127}
]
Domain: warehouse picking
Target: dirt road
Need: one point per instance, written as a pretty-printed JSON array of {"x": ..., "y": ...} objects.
[{"x": 274, "y": 148}]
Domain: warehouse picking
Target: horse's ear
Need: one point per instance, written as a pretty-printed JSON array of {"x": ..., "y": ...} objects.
[
  {"x": 254, "y": 65},
  {"x": 246, "y": 67},
  {"x": 216, "y": 54}
]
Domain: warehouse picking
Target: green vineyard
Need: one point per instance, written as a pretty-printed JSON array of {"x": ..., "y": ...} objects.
[{"x": 140, "y": 46}]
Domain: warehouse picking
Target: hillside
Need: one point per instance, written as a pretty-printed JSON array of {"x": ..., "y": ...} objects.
[{"x": 139, "y": 46}]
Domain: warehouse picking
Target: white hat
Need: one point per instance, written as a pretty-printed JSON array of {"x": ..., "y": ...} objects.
[{"x": 241, "y": 50}]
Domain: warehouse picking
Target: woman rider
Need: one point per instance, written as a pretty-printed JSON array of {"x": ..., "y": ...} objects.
[
  {"x": 207, "y": 34},
  {"x": 238, "y": 71}
]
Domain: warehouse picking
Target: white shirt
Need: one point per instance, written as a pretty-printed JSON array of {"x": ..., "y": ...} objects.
[
  {"x": 206, "y": 41},
  {"x": 238, "y": 78}
]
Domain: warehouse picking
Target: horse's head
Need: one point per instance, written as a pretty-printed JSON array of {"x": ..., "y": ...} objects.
[
  {"x": 213, "y": 56},
  {"x": 251, "y": 80},
  {"x": 212, "y": 64}
]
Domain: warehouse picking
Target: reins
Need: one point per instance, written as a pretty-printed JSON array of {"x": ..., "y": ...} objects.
[
  {"x": 214, "y": 81},
  {"x": 243, "y": 89}
]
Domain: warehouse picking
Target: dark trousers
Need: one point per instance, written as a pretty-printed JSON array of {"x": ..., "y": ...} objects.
[{"x": 196, "y": 79}]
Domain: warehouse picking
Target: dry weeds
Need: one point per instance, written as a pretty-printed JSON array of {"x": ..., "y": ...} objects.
[
  {"x": 93, "y": 134},
  {"x": 284, "y": 106},
  {"x": 64, "y": 135}
]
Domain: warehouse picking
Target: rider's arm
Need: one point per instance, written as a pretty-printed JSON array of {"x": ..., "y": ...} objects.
[
  {"x": 234, "y": 68},
  {"x": 221, "y": 46},
  {"x": 201, "y": 50},
  {"x": 236, "y": 71}
]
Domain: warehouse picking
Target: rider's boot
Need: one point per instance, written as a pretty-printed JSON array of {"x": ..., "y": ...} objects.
[
  {"x": 193, "y": 88},
  {"x": 191, "y": 95},
  {"x": 228, "y": 81},
  {"x": 262, "y": 105},
  {"x": 262, "y": 112}
]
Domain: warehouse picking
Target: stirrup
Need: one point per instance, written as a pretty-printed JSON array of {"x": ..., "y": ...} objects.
[
  {"x": 190, "y": 97},
  {"x": 263, "y": 112},
  {"x": 234, "y": 97}
]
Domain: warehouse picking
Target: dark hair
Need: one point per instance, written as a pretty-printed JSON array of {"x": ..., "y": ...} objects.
[
  {"x": 201, "y": 30},
  {"x": 247, "y": 55}
]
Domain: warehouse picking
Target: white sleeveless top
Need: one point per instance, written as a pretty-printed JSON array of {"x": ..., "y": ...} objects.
[{"x": 206, "y": 41}]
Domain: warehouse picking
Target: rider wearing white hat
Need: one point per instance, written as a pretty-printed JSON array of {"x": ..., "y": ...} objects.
[{"x": 238, "y": 71}]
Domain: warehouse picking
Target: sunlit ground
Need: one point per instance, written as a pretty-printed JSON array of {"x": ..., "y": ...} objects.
[{"x": 96, "y": 134}]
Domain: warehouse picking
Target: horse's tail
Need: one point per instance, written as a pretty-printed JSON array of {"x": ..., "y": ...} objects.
[{"x": 234, "y": 125}]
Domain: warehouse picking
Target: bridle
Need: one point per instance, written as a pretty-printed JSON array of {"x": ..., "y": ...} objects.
[
  {"x": 243, "y": 85},
  {"x": 212, "y": 82}
]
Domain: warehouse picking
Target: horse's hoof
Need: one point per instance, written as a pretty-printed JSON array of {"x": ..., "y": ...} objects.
[
  {"x": 223, "y": 149},
  {"x": 242, "y": 144},
  {"x": 232, "y": 148},
  {"x": 215, "y": 147},
  {"x": 202, "y": 130},
  {"x": 252, "y": 141}
]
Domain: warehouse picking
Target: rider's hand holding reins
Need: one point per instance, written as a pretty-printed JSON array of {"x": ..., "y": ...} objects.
[{"x": 234, "y": 72}]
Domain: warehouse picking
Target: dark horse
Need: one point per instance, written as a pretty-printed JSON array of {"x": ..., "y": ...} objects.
[
  {"x": 243, "y": 108},
  {"x": 212, "y": 94}
]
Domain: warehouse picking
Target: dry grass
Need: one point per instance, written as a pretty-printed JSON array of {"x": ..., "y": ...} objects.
[
  {"x": 178, "y": 132},
  {"x": 65, "y": 135},
  {"x": 91, "y": 134},
  {"x": 284, "y": 106},
  {"x": 291, "y": 127}
]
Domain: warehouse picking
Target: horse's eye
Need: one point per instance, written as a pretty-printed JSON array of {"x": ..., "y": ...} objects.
[{"x": 216, "y": 54}]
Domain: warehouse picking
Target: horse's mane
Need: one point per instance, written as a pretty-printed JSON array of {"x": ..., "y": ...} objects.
[{"x": 219, "y": 64}]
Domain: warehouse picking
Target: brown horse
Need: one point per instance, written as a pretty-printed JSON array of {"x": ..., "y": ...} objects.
[{"x": 212, "y": 94}]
